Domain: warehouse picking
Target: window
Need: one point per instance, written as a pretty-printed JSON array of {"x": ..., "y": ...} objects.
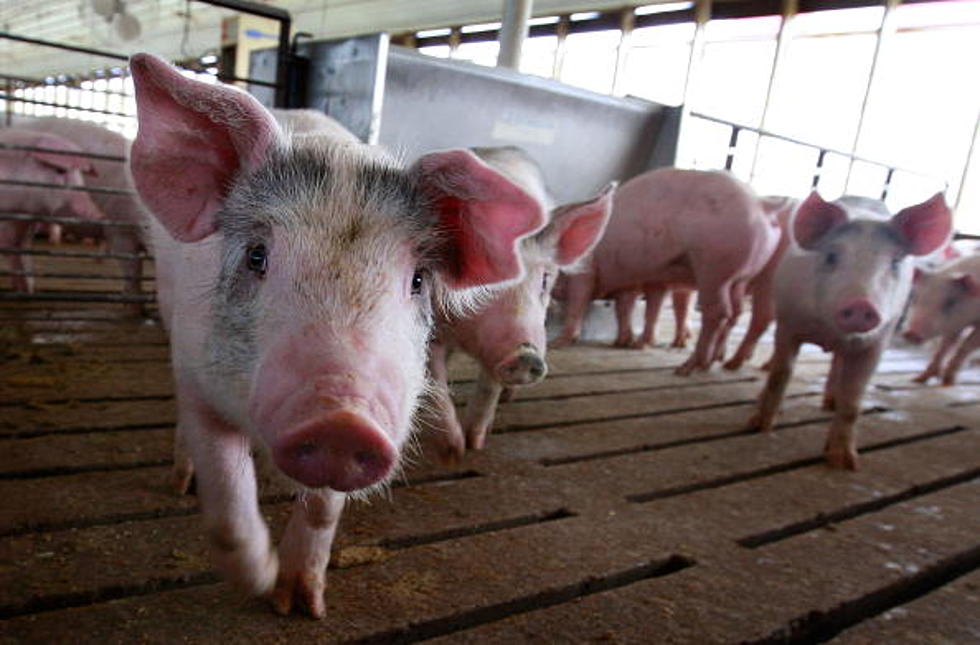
[
  {"x": 822, "y": 86},
  {"x": 590, "y": 59},
  {"x": 733, "y": 74},
  {"x": 657, "y": 61},
  {"x": 923, "y": 104}
]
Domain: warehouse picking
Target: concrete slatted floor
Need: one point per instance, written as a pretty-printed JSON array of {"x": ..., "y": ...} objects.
[{"x": 615, "y": 503}]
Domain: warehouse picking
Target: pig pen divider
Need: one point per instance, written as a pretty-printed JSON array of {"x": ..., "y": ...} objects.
[
  {"x": 102, "y": 95},
  {"x": 822, "y": 151}
]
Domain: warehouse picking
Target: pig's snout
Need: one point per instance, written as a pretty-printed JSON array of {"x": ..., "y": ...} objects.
[
  {"x": 343, "y": 451},
  {"x": 858, "y": 316},
  {"x": 913, "y": 337},
  {"x": 524, "y": 367}
]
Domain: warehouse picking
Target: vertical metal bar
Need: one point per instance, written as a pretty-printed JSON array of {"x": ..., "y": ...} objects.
[
  {"x": 454, "y": 37},
  {"x": 972, "y": 158},
  {"x": 885, "y": 31},
  {"x": 702, "y": 14},
  {"x": 732, "y": 143},
  {"x": 513, "y": 32},
  {"x": 819, "y": 169},
  {"x": 783, "y": 40},
  {"x": 888, "y": 183},
  {"x": 8, "y": 105},
  {"x": 282, "y": 62},
  {"x": 561, "y": 29},
  {"x": 627, "y": 20}
]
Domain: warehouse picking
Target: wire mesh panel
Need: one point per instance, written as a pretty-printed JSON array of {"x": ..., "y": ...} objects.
[{"x": 70, "y": 223}]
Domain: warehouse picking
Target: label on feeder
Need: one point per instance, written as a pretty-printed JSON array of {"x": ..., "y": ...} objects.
[{"x": 539, "y": 134}]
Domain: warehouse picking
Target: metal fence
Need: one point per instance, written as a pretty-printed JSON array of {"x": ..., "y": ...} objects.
[{"x": 71, "y": 264}]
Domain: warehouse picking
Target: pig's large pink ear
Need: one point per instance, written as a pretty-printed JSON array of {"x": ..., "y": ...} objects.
[
  {"x": 483, "y": 214},
  {"x": 814, "y": 219},
  {"x": 575, "y": 229},
  {"x": 926, "y": 226},
  {"x": 193, "y": 139}
]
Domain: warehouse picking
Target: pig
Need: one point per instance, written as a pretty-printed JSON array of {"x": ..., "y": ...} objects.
[
  {"x": 123, "y": 211},
  {"x": 946, "y": 303},
  {"x": 299, "y": 122},
  {"x": 677, "y": 228},
  {"x": 57, "y": 167},
  {"x": 762, "y": 285},
  {"x": 506, "y": 333},
  {"x": 843, "y": 285},
  {"x": 296, "y": 277}
]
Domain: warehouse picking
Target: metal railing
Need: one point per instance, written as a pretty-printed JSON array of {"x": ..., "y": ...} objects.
[{"x": 822, "y": 151}]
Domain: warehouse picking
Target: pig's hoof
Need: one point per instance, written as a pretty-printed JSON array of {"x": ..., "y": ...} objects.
[
  {"x": 452, "y": 454},
  {"x": 844, "y": 460},
  {"x": 183, "y": 479},
  {"x": 922, "y": 378},
  {"x": 562, "y": 341},
  {"x": 828, "y": 403},
  {"x": 623, "y": 343},
  {"x": 476, "y": 438},
  {"x": 300, "y": 590},
  {"x": 679, "y": 343},
  {"x": 757, "y": 424},
  {"x": 733, "y": 364},
  {"x": 949, "y": 380}
]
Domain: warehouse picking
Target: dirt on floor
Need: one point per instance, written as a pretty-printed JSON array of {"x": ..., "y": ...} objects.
[{"x": 614, "y": 503}]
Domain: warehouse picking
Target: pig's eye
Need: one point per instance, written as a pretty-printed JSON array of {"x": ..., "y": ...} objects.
[
  {"x": 544, "y": 283},
  {"x": 830, "y": 259},
  {"x": 896, "y": 265},
  {"x": 257, "y": 259},
  {"x": 948, "y": 304},
  {"x": 418, "y": 281}
]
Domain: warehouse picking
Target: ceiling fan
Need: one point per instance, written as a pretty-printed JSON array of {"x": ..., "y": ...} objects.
[{"x": 124, "y": 24}]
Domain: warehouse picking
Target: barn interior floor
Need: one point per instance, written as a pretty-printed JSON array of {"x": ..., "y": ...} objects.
[{"x": 614, "y": 503}]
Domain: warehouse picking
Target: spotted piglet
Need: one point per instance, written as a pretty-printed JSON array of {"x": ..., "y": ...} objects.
[
  {"x": 296, "y": 277},
  {"x": 843, "y": 286}
]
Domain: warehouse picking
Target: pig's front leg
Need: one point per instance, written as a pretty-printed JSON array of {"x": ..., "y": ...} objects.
[
  {"x": 935, "y": 366},
  {"x": 452, "y": 441},
  {"x": 228, "y": 496},
  {"x": 780, "y": 371},
  {"x": 22, "y": 264},
  {"x": 853, "y": 374},
  {"x": 304, "y": 552},
  {"x": 681, "y": 300},
  {"x": 655, "y": 300},
  {"x": 577, "y": 297},
  {"x": 625, "y": 302},
  {"x": 969, "y": 344},
  {"x": 480, "y": 410},
  {"x": 183, "y": 472},
  {"x": 763, "y": 312},
  {"x": 830, "y": 387}
]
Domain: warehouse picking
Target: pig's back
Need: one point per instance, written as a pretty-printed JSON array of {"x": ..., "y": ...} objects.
[{"x": 684, "y": 216}]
